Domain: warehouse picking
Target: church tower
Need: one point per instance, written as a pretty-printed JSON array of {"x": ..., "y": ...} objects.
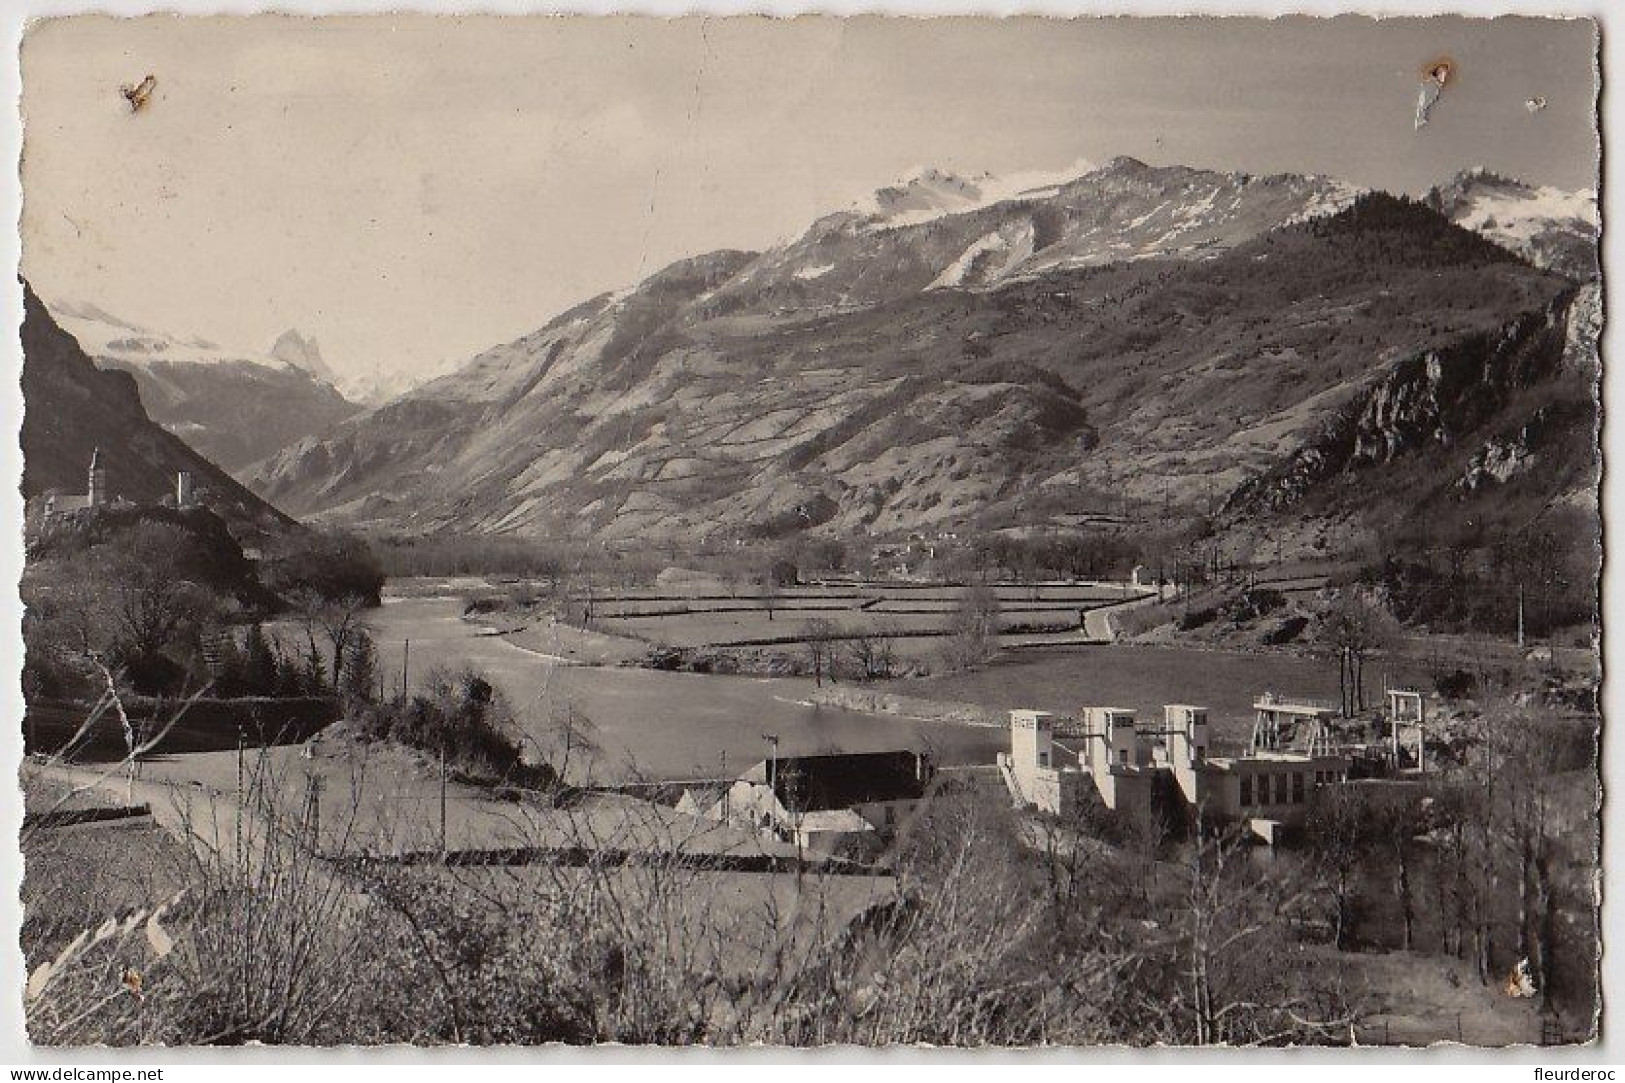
[{"x": 96, "y": 494}]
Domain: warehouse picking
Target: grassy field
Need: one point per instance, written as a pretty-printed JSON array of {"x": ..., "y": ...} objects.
[
  {"x": 737, "y": 923},
  {"x": 77, "y": 877},
  {"x": 723, "y": 629}
]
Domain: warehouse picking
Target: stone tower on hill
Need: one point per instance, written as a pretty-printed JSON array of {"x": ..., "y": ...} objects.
[{"x": 96, "y": 486}]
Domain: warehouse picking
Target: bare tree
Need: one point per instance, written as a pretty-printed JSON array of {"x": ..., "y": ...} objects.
[
  {"x": 337, "y": 620},
  {"x": 1397, "y": 821},
  {"x": 872, "y": 653},
  {"x": 973, "y": 635},
  {"x": 768, "y": 591},
  {"x": 821, "y": 635},
  {"x": 1536, "y": 752},
  {"x": 570, "y": 738},
  {"x": 145, "y": 592},
  {"x": 1237, "y": 990},
  {"x": 1355, "y": 628}
]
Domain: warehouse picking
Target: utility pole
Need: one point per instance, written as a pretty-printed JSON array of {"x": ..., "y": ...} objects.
[
  {"x": 772, "y": 740},
  {"x": 406, "y": 661},
  {"x": 725, "y": 786},
  {"x": 1520, "y": 614},
  {"x": 313, "y": 783},
  {"x": 240, "y": 797}
]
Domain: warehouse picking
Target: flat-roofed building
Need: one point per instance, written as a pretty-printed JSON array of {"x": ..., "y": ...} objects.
[{"x": 1134, "y": 767}]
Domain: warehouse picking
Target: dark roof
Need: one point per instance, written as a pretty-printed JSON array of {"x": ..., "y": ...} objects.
[{"x": 818, "y": 783}]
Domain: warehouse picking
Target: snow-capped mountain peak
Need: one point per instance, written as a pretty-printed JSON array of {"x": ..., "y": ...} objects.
[
  {"x": 1513, "y": 200},
  {"x": 113, "y": 339},
  {"x": 1551, "y": 227},
  {"x": 233, "y": 406},
  {"x": 927, "y": 193}
]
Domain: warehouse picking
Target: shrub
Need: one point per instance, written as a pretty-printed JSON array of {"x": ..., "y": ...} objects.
[
  {"x": 1287, "y": 631},
  {"x": 1255, "y": 603},
  {"x": 1455, "y": 684},
  {"x": 461, "y": 715},
  {"x": 1197, "y": 618}
]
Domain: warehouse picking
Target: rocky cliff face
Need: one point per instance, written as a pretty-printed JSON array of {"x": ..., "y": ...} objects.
[
  {"x": 1433, "y": 399},
  {"x": 302, "y": 351}
]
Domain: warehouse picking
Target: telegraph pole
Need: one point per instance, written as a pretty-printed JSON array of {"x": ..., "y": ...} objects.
[
  {"x": 240, "y": 797},
  {"x": 406, "y": 660},
  {"x": 772, "y": 740},
  {"x": 313, "y": 785}
]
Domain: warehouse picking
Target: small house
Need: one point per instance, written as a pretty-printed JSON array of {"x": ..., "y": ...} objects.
[{"x": 818, "y": 801}]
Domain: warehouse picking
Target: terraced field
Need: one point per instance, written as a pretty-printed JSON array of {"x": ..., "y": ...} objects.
[{"x": 892, "y": 610}]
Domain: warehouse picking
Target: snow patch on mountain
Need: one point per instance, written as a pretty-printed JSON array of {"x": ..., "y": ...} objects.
[
  {"x": 989, "y": 258},
  {"x": 1333, "y": 198},
  {"x": 926, "y": 194},
  {"x": 1551, "y": 227},
  {"x": 106, "y": 337},
  {"x": 375, "y": 386},
  {"x": 1522, "y": 214}
]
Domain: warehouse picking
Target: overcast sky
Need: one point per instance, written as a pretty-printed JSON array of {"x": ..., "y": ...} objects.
[{"x": 413, "y": 190}]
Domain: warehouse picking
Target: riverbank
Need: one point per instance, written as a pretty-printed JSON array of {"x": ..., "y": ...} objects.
[
  {"x": 648, "y": 724},
  {"x": 873, "y": 701}
]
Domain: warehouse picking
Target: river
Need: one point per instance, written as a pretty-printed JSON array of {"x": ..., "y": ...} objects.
[{"x": 649, "y": 723}]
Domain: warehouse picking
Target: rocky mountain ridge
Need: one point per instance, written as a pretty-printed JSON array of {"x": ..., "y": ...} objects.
[
  {"x": 1549, "y": 227},
  {"x": 234, "y": 406},
  {"x": 1155, "y": 334}
]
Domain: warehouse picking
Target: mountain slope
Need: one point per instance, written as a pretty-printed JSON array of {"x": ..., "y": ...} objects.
[
  {"x": 1547, "y": 226},
  {"x": 1160, "y": 335},
  {"x": 915, "y": 238},
  {"x": 1475, "y": 440},
  {"x": 72, "y": 407},
  {"x": 235, "y": 408}
]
